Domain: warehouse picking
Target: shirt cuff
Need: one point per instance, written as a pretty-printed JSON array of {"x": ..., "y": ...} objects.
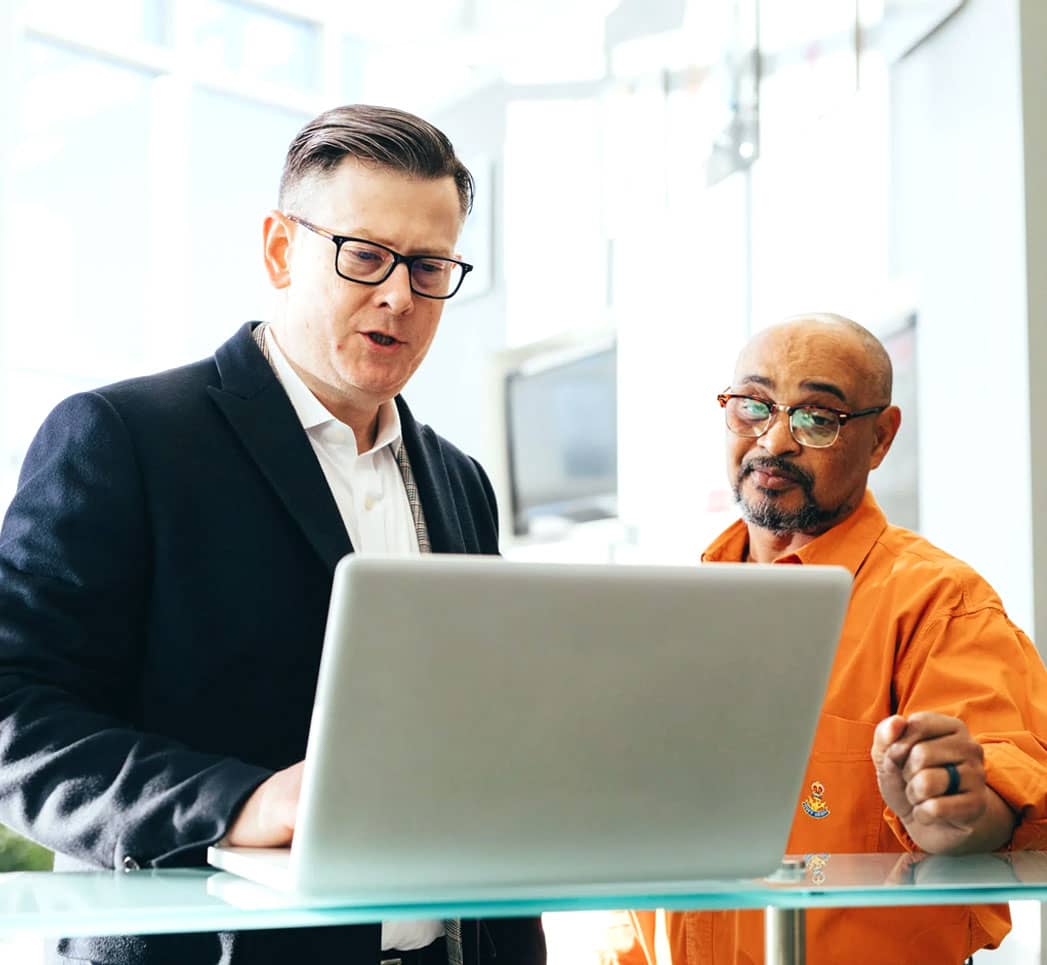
[
  {"x": 1021, "y": 781},
  {"x": 898, "y": 830}
]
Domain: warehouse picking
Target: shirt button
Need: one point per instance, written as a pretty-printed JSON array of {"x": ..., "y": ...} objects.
[
  {"x": 370, "y": 500},
  {"x": 129, "y": 864}
]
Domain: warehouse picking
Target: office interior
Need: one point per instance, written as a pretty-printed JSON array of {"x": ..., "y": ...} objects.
[{"x": 663, "y": 176}]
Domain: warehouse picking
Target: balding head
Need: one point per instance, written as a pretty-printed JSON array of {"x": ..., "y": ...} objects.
[{"x": 823, "y": 335}]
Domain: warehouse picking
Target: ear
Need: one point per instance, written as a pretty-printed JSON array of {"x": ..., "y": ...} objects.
[
  {"x": 887, "y": 425},
  {"x": 276, "y": 240}
]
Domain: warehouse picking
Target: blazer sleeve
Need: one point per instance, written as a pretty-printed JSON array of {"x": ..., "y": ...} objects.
[{"x": 75, "y": 582}]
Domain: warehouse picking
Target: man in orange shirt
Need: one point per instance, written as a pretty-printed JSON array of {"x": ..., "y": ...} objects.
[{"x": 933, "y": 734}]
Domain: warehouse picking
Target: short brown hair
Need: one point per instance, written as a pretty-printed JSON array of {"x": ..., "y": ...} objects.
[{"x": 382, "y": 135}]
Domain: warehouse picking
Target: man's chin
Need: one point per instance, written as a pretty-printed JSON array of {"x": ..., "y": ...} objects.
[{"x": 776, "y": 515}]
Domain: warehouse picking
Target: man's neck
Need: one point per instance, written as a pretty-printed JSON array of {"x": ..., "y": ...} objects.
[
  {"x": 766, "y": 547},
  {"x": 362, "y": 419},
  {"x": 363, "y": 422}
]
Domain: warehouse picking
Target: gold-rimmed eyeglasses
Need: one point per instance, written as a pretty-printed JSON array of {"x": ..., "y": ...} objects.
[{"x": 813, "y": 426}]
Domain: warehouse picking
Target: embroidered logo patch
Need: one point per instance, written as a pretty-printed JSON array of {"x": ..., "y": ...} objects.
[{"x": 815, "y": 804}]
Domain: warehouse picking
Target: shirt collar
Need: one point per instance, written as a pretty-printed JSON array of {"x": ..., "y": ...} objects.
[
  {"x": 846, "y": 544},
  {"x": 311, "y": 411}
]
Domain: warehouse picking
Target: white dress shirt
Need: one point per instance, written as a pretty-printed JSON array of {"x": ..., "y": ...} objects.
[{"x": 369, "y": 491}]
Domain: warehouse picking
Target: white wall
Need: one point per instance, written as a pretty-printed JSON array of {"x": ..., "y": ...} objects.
[
  {"x": 957, "y": 227},
  {"x": 7, "y": 108}
]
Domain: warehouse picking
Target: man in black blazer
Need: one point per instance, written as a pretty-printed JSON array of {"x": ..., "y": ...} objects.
[{"x": 166, "y": 563}]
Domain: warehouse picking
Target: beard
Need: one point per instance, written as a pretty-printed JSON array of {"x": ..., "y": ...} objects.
[{"x": 767, "y": 514}]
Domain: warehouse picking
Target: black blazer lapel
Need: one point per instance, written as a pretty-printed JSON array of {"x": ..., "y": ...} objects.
[
  {"x": 256, "y": 406},
  {"x": 434, "y": 487}
]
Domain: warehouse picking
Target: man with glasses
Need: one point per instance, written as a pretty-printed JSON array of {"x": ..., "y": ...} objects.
[
  {"x": 166, "y": 563},
  {"x": 933, "y": 732}
]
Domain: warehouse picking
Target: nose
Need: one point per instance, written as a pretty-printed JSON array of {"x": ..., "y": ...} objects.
[
  {"x": 395, "y": 292},
  {"x": 778, "y": 440}
]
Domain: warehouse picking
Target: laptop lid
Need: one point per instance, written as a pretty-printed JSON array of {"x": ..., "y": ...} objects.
[{"x": 486, "y": 727}]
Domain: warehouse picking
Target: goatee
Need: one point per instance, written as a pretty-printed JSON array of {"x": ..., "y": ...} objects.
[{"x": 765, "y": 514}]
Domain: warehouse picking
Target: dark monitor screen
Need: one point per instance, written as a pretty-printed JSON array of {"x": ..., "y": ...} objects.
[{"x": 562, "y": 429}]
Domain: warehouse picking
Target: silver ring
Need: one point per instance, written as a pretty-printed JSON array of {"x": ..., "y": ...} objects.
[{"x": 954, "y": 779}]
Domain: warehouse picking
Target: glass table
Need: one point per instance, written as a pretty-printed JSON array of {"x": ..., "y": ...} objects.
[{"x": 201, "y": 899}]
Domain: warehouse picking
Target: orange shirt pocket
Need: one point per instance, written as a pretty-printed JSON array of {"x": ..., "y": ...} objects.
[{"x": 840, "y": 808}]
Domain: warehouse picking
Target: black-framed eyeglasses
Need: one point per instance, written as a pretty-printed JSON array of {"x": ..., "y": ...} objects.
[
  {"x": 813, "y": 426},
  {"x": 369, "y": 263}
]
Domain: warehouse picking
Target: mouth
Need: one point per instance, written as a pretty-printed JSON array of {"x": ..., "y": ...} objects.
[
  {"x": 380, "y": 338},
  {"x": 774, "y": 477},
  {"x": 773, "y": 480}
]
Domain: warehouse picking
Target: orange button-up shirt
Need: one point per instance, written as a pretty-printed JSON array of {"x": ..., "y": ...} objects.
[{"x": 923, "y": 632}]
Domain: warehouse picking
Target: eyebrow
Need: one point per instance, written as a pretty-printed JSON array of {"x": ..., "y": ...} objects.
[
  {"x": 828, "y": 387},
  {"x": 811, "y": 385}
]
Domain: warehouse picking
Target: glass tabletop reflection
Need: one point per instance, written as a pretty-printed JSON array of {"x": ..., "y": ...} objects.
[{"x": 202, "y": 899}]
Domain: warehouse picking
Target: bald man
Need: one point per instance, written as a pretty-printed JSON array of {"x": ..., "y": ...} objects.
[{"x": 933, "y": 733}]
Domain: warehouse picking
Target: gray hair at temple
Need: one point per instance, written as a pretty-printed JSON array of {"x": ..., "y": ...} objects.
[{"x": 383, "y": 136}]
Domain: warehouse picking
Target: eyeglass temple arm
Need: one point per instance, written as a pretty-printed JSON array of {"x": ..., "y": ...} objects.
[{"x": 844, "y": 416}]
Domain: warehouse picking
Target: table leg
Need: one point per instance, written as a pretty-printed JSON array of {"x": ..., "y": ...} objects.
[{"x": 785, "y": 936}]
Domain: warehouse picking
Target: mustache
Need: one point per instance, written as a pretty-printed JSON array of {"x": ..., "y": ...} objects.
[{"x": 778, "y": 465}]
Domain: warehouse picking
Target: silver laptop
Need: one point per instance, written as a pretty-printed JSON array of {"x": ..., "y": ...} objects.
[{"x": 493, "y": 729}]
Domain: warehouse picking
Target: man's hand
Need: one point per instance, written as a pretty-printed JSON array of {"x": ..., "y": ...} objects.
[
  {"x": 910, "y": 755},
  {"x": 267, "y": 817}
]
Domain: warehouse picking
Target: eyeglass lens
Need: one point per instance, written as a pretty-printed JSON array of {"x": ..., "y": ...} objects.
[
  {"x": 809, "y": 425},
  {"x": 359, "y": 261}
]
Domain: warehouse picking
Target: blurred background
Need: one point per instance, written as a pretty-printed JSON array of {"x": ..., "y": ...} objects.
[{"x": 657, "y": 179}]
